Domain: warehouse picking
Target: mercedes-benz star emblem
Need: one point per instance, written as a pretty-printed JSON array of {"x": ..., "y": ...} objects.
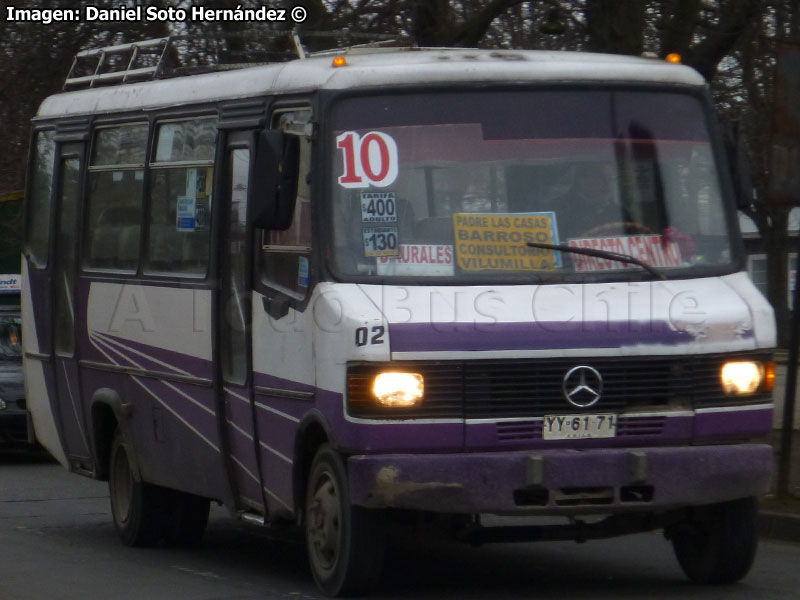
[{"x": 582, "y": 386}]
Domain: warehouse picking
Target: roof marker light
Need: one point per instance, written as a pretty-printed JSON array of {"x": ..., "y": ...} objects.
[
  {"x": 339, "y": 61},
  {"x": 674, "y": 58}
]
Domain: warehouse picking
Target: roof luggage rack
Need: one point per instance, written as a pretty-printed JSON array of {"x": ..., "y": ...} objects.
[
  {"x": 136, "y": 61},
  {"x": 154, "y": 59}
]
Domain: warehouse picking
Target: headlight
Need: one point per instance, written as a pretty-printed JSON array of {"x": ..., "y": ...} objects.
[
  {"x": 747, "y": 377},
  {"x": 398, "y": 389},
  {"x": 2, "y": 404}
]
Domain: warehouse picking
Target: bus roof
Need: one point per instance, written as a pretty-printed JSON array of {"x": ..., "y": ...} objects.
[{"x": 375, "y": 68}]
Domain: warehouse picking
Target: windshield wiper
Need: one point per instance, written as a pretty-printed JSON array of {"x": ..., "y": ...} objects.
[{"x": 623, "y": 258}]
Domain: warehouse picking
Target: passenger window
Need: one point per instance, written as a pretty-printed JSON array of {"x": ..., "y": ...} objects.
[
  {"x": 181, "y": 179},
  {"x": 116, "y": 185},
  {"x": 64, "y": 279},
  {"x": 235, "y": 283},
  {"x": 39, "y": 207},
  {"x": 285, "y": 255}
]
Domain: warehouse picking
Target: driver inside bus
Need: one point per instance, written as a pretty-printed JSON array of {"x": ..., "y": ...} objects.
[{"x": 589, "y": 205}]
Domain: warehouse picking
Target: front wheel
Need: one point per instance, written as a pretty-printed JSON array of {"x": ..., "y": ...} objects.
[
  {"x": 188, "y": 517},
  {"x": 345, "y": 543},
  {"x": 719, "y": 542}
]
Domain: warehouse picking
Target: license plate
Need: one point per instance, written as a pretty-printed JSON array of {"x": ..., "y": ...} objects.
[{"x": 578, "y": 427}]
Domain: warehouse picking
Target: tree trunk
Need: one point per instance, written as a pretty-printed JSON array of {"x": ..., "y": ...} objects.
[
  {"x": 615, "y": 26},
  {"x": 430, "y": 21},
  {"x": 775, "y": 240},
  {"x": 679, "y": 28}
]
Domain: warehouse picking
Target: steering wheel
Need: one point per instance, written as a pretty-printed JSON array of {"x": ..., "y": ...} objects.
[{"x": 614, "y": 227}]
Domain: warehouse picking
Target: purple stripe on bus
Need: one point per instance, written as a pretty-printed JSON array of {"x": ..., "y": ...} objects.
[
  {"x": 431, "y": 337},
  {"x": 383, "y": 436},
  {"x": 276, "y": 431},
  {"x": 271, "y": 381},
  {"x": 294, "y": 408},
  {"x": 38, "y": 282},
  {"x": 242, "y": 449},
  {"x": 277, "y": 478},
  {"x": 113, "y": 354},
  {"x": 239, "y": 411},
  {"x": 195, "y": 366},
  {"x": 728, "y": 424},
  {"x": 192, "y": 415}
]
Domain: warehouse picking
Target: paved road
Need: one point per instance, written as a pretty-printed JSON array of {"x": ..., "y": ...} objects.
[{"x": 57, "y": 541}]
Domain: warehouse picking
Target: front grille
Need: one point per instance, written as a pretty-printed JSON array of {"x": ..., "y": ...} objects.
[{"x": 525, "y": 388}]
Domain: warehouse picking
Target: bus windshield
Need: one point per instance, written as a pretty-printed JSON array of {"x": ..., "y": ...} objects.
[{"x": 454, "y": 185}]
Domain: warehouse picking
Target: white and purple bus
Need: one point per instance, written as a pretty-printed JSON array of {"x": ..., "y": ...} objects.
[{"x": 456, "y": 283}]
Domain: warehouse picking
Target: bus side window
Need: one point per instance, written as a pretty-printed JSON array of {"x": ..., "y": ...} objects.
[
  {"x": 181, "y": 182},
  {"x": 284, "y": 261},
  {"x": 39, "y": 202},
  {"x": 116, "y": 177}
]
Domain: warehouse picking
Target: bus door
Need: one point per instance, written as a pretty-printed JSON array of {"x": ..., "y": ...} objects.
[
  {"x": 234, "y": 325},
  {"x": 66, "y": 312}
]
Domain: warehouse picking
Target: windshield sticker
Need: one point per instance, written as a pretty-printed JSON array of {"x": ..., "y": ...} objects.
[
  {"x": 10, "y": 284},
  {"x": 419, "y": 259},
  {"x": 378, "y": 207},
  {"x": 498, "y": 242},
  {"x": 186, "y": 213},
  {"x": 380, "y": 241},
  {"x": 369, "y": 160},
  {"x": 652, "y": 249},
  {"x": 302, "y": 272}
]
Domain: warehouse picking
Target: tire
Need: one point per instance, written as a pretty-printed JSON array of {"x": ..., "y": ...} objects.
[
  {"x": 188, "y": 517},
  {"x": 719, "y": 543},
  {"x": 139, "y": 509},
  {"x": 345, "y": 543}
]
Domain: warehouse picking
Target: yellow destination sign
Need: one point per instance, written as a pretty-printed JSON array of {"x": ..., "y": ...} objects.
[{"x": 498, "y": 242}]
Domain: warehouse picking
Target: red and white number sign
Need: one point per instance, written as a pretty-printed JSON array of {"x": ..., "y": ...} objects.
[{"x": 369, "y": 160}]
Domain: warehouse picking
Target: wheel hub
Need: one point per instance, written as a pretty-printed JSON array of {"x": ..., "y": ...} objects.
[{"x": 324, "y": 525}]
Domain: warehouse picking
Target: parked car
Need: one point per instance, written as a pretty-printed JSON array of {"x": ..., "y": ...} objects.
[{"x": 13, "y": 420}]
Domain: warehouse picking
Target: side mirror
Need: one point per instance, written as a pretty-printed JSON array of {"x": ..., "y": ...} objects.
[
  {"x": 277, "y": 165},
  {"x": 739, "y": 162}
]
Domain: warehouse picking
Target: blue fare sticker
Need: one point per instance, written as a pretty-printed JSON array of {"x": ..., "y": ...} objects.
[
  {"x": 302, "y": 272},
  {"x": 186, "y": 213}
]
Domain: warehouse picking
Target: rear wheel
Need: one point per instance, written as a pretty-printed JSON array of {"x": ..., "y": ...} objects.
[
  {"x": 719, "y": 543},
  {"x": 345, "y": 543},
  {"x": 188, "y": 517},
  {"x": 139, "y": 509}
]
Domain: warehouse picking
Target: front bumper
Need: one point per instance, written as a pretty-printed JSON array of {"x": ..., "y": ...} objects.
[{"x": 561, "y": 481}]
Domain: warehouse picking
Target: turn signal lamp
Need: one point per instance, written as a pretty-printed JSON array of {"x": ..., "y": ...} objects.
[
  {"x": 339, "y": 61},
  {"x": 747, "y": 377},
  {"x": 674, "y": 58},
  {"x": 769, "y": 376},
  {"x": 398, "y": 389}
]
